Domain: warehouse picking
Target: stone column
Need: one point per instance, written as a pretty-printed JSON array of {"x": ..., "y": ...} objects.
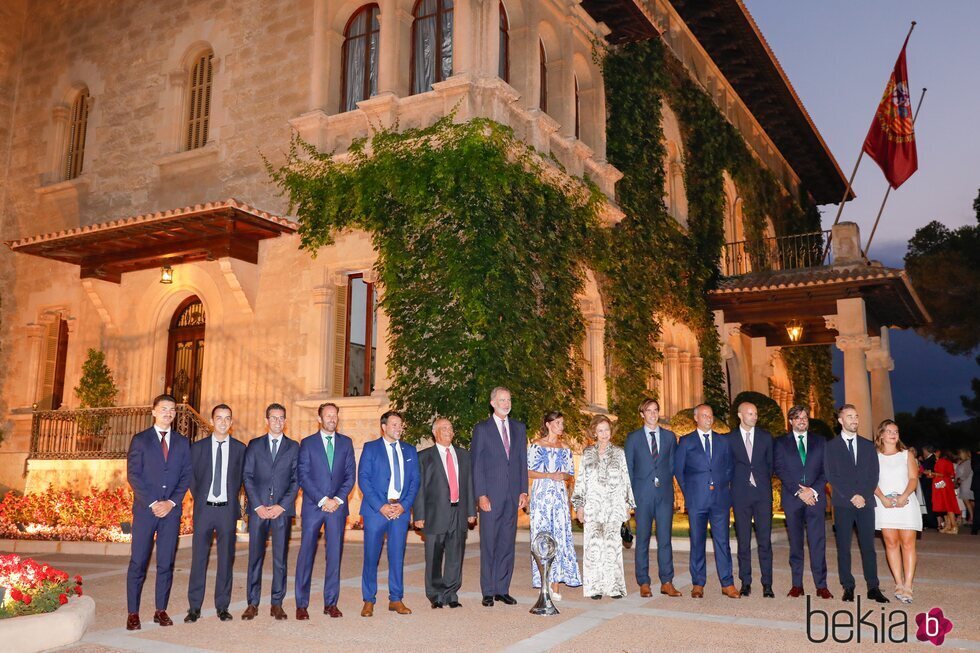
[
  {"x": 686, "y": 393},
  {"x": 672, "y": 383},
  {"x": 880, "y": 363},
  {"x": 595, "y": 325},
  {"x": 656, "y": 385},
  {"x": 761, "y": 366},
  {"x": 322, "y": 350},
  {"x": 35, "y": 343},
  {"x": 390, "y": 48},
  {"x": 853, "y": 340},
  {"x": 381, "y": 379},
  {"x": 697, "y": 378}
]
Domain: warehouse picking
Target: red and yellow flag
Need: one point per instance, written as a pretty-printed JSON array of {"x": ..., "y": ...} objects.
[{"x": 891, "y": 139}]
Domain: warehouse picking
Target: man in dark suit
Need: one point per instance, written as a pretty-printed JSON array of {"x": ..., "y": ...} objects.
[
  {"x": 217, "y": 464},
  {"x": 752, "y": 497},
  {"x": 326, "y": 471},
  {"x": 271, "y": 486},
  {"x": 704, "y": 466},
  {"x": 388, "y": 477},
  {"x": 650, "y": 461},
  {"x": 499, "y": 451},
  {"x": 444, "y": 509},
  {"x": 798, "y": 461},
  {"x": 158, "y": 468},
  {"x": 851, "y": 466}
]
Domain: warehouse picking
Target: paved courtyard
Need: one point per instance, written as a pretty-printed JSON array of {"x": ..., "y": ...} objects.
[{"x": 948, "y": 577}]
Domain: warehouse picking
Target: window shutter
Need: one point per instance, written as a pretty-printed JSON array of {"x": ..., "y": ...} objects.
[
  {"x": 49, "y": 364},
  {"x": 340, "y": 341}
]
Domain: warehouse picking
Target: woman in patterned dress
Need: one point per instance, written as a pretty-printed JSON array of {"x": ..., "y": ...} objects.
[
  {"x": 550, "y": 466},
  {"x": 602, "y": 499}
]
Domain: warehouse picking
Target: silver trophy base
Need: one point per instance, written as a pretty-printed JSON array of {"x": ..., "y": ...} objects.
[{"x": 544, "y": 606}]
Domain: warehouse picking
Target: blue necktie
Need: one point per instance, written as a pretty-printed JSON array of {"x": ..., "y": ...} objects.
[
  {"x": 850, "y": 449},
  {"x": 398, "y": 471},
  {"x": 707, "y": 447}
]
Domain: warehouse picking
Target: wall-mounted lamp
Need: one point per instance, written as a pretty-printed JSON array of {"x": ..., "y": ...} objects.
[
  {"x": 794, "y": 329},
  {"x": 166, "y": 274}
]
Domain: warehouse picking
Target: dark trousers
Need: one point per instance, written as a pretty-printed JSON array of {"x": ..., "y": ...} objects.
[
  {"x": 209, "y": 522},
  {"x": 657, "y": 508},
  {"x": 845, "y": 519},
  {"x": 929, "y": 519},
  {"x": 754, "y": 514},
  {"x": 166, "y": 530},
  {"x": 332, "y": 524},
  {"x": 259, "y": 532},
  {"x": 717, "y": 516},
  {"x": 498, "y": 533},
  {"x": 444, "y": 559},
  {"x": 803, "y": 520}
]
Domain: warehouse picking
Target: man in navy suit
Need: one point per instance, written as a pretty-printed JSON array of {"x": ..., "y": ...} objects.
[
  {"x": 752, "y": 497},
  {"x": 389, "y": 480},
  {"x": 798, "y": 461},
  {"x": 704, "y": 466},
  {"x": 499, "y": 453},
  {"x": 650, "y": 461},
  {"x": 271, "y": 487},
  {"x": 217, "y": 464},
  {"x": 326, "y": 472},
  {"x": 158, "y": 468},
  {"x": 851, "y": 465}
]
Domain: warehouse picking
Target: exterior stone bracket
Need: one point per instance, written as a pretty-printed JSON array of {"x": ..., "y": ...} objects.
[
  {"x": 103, "y": 294},
  {"x": 243, "y": 281}
]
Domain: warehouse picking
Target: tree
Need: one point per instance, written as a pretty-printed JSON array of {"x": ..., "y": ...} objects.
[
  {"x": 944, "y": 266},
  {"x": 96, "y": 388},
  {"x": 771, "y": 416},
  {"x": 972, "y": 404}
]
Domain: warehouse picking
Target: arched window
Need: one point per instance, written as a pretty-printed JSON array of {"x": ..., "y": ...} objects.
[
  {"x": 199, "y": 101},
  {"x": 578, "y": 110},
  {"x": 432, "y": 43},
  {"x": 77, "y": 126},
  {"x": 543, "y": 74},
  {"x": 504, "y": 63},
  {"x": 360, "y": 67}
]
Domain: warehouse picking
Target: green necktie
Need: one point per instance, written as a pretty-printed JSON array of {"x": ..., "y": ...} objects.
[
  {"x": 802, "y": 449},
  {"x": 330, "y": 451}
]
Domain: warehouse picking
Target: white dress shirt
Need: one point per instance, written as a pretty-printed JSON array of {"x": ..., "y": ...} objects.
[
  {"x": 278, "y": 441},
  {"x": 852, "y": 439},
  {"x": 324, "y": 435},
  {"x": 653, "y": 436},
  {"x": 442, "y": 457},
  {"x": 748, "y": 441},
  {"x": 701, "y": 436},
  {"x": 160, "y": 437},
  {"x": 394, "y": 458},
  {"x": 806, "y": 447},
  {"x": 225, "y": 449}
]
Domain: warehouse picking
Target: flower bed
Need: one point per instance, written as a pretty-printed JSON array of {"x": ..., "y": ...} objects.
[
  {"x": 64, "y": 515},
  {"x": 33, "y": 588}
]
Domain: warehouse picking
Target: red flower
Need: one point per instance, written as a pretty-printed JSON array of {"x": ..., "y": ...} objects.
[
  {"x": 62, "y": 599},
  {"x": 78, "y": 579},
  {"x": 16, "y": 594},
  {"x": 27, "y": 600},
  {"x": 78, "y": 590}
]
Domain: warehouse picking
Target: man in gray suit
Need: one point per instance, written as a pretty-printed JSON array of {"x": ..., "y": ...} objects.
[
  {"x": 271, "y": 486},
  {"x": 444, "y": 508}
]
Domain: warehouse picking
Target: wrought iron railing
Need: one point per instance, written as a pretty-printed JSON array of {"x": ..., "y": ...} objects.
[
  {"x": 771, "y": 254},
  {"x": 96, "y": 433}
]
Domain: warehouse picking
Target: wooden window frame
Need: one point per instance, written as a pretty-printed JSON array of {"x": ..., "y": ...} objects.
[
  {"x": 578, "y": 108},
  {"x": 369, "y": 326},
  {"x": 437, "y": 64},
  {"x": 370, "y": 31},
  {"x": 504, "y": 56},
  {"x": 543, "y": 77},
  {"x": 77, "y": 131},
  {"x": 197, "y": 116}
]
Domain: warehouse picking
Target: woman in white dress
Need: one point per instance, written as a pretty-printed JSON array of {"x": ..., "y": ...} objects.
[
  {"x": 897, "y": 513},
  {"x": 602, "y": 499},
  {"x": 964, "y": 483}
]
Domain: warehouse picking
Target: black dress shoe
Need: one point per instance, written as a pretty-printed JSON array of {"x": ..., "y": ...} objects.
[
  {"x": 746, "y": 589},
  {"x": 436, "y": 604},
  {"x": 848, "y": 594},
  {"x": 488, "y": 601},
  {"x": 596, "y": 597},
  {"x": 767, "y": 592},
  {"x": 224, "y": 615},
  {"x": 876, "y": 595},
  {"x": 454, "y": 604},
  {"x": 192, "y": 616},
  {"x": 505, "y": 598},
  {"x": 617, "y": 596}
]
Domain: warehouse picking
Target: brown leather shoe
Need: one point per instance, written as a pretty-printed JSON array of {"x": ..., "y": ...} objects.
[
  {"x": 277, "y": 612},
  {"x": 332, "y": 611},
  {"x": 302, "y": 614},
  {"x": 399, "y": 607},
  {"x": 824, "y": 593},
  {"x": 250, "y": 612},
  {"x": 697, "y": 592},
  {"x": 161, "y": 617},
  {"x": 731, "y": 592},
  {"x": 645, "y": 590},
  {"x": 368, "y": 609},
  {"x": 795, "y": 591},
  {"x": 133, "y": 621},
  {"x": 669, "y": 589}
]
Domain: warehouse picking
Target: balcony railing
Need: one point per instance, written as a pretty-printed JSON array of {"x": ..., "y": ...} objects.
[
  {"x": 99, "y": 433},
  {"x": 772, "y": 254}
]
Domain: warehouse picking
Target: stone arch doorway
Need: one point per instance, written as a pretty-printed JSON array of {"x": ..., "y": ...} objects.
[{"x": 185, "y": 352}]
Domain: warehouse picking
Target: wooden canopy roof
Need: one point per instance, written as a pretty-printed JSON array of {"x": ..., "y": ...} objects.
[
  {"x": 194, "y": 233},
  {"x": 763, "y": 302}
]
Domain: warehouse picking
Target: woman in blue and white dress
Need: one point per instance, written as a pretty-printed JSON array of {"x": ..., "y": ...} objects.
[{"x": 550, "y": 466}]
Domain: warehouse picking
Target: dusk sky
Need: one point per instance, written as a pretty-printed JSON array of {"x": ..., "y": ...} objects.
[{"x": 838, "y": 56}]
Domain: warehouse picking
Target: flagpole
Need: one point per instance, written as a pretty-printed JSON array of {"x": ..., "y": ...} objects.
[
  {"x": 889, "y": 190},
  {"x": 847, "y": 189}
]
